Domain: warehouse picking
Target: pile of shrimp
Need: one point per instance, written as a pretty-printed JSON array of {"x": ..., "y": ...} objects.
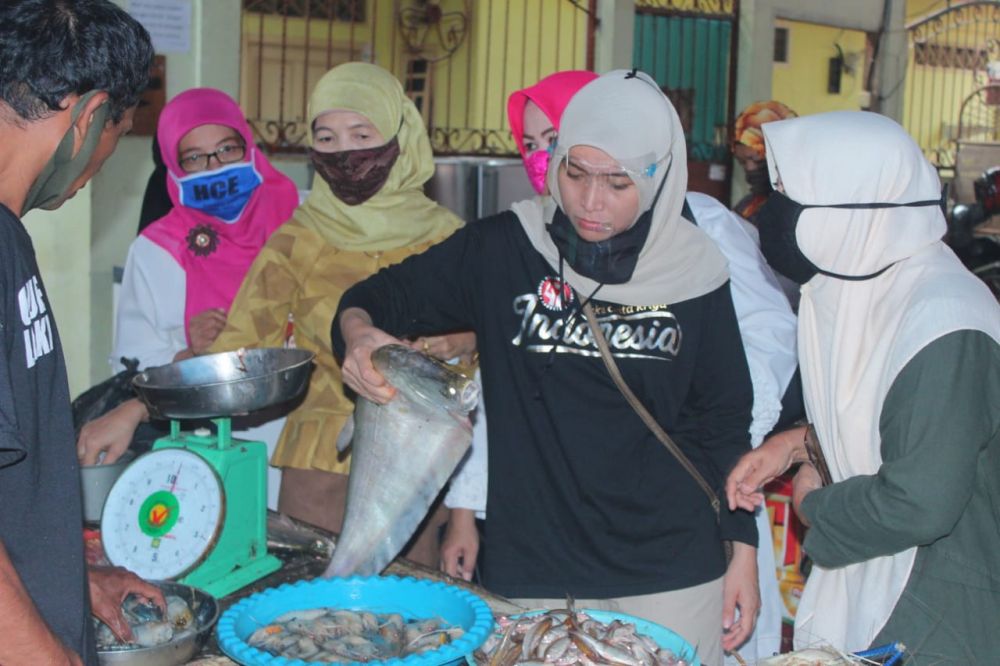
[{"x": 566, "y": 636}]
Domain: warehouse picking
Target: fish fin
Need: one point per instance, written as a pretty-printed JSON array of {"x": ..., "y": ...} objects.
[{"x": 346, "y": 435}]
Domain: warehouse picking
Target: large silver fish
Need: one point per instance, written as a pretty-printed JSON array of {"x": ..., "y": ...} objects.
[{"x": 402, "y": 454}]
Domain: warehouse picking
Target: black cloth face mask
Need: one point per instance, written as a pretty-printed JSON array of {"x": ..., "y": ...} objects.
[
  {"x": 777, "y": 220},
  {"x": 610, "y": 261},
  {"x": 759, "y": 180}
]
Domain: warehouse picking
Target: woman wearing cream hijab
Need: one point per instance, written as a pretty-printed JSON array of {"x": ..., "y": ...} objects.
[
  {"x": 582, "y": 498},
  {"x": 366, "y": 211},
  {"x": 899, "y": 347}
]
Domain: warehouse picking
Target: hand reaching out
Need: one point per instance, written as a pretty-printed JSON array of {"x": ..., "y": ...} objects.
[
  {"x": 204, "y": 328},
  {"x": 755, "y": 469},
  {"x": 108, "y": 588}
]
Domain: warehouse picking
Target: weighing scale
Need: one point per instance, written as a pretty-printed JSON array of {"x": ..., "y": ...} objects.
[{"x": 195, "y": 507}]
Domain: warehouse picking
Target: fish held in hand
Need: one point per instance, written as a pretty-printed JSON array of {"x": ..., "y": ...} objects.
[{"x": 402, "y": 454}]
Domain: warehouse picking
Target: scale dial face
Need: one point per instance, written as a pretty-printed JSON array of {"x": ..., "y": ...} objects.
[{"x": 163, "y": 514}]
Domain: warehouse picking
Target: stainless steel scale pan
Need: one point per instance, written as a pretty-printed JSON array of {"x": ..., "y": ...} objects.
[{"x": 224, "y": 384}]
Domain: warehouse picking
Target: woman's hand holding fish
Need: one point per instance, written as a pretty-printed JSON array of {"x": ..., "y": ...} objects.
[
  {"x": 806, "y": 480},
  {"x": 447, "y": 347},
  {"x": 460, "y": 547},
  {"x": 740, "y": 590},
  {"x": 361, "y": 338},
  {"x": 758, "y": 467},
  {"x": 108, "y": 588}
]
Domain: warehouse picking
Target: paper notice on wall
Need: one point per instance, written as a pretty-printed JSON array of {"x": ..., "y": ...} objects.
[{"x": 168, "y": 23}]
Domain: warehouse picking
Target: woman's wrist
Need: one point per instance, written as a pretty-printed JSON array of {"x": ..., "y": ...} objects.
[
  {"x": 796, "y": 443},
  {"x": 352, "y": 322}
]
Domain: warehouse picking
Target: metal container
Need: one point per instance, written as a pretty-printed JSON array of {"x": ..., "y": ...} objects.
[
  {"x": 224, "y": 384},
  {"x": 184, "y": 645},
  {"x": 476, "y": 187},
  {"x": 97, "y": 481}
]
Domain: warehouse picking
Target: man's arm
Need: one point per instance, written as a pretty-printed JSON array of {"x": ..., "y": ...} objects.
[{"x": 26, "y": 637}]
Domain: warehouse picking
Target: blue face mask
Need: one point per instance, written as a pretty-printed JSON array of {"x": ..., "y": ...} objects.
[{"x": 222, "y": 193}]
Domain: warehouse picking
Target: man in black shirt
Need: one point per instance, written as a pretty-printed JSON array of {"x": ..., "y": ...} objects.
[{"x": 71, "y": 72}]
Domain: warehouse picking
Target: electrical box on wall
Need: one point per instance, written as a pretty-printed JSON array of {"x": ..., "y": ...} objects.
[
  {"x": 153, "y": 99},
  {"x": 836, "y": 68}
]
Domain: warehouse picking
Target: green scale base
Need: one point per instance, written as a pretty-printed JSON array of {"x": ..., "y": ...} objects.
[{"x": 240, "y": 555}]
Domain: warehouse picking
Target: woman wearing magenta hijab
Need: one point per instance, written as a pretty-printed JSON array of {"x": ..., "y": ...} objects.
[
  {"x": 534, "y": 115},
  {"x": 184, "y": 269}
]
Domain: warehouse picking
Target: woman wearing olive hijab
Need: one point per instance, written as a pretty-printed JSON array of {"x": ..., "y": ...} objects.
[{"x": 366, "y": 211}]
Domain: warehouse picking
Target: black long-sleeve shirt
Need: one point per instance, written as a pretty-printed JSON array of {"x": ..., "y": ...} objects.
[{"x": 582, "y": 499}]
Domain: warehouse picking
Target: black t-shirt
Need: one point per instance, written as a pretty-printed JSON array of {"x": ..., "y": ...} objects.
[
  {"x": 582, "y": 498},
  {"x": 40, "y": 502}
]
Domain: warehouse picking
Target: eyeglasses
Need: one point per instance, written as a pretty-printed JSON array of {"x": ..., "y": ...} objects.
[
  {"x": 583, "y": 174},
  {"x": 224, "y": 154}
]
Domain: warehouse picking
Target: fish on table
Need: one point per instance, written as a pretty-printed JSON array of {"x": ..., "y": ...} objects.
[{"x": 402, "y": 454}]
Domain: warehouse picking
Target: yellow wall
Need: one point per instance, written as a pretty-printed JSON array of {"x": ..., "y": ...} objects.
[
  {"x": 801, "y": 83},
  {"x": 916, "y": 9}
]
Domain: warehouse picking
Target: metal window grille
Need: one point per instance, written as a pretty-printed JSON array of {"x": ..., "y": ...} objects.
[
  {"x": 952, "y": 73},
  {"x": 458, "y": 60}
]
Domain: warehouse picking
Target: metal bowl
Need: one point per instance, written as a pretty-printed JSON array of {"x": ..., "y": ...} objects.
[
  {"x": 184, "y": 645},
  {"x": 224, "y": 384},
  {"x": 97, "y": 481}
]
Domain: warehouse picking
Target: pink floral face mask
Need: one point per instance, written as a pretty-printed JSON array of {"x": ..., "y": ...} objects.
[{"x": 537, "y": 166}]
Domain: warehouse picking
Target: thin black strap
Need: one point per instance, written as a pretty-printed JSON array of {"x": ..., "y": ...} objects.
[{"x": 647, "y": 418}]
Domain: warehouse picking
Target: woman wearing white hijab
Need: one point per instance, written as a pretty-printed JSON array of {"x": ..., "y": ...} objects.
[
  {"x": 583, "y": 499},
  {"x": 898, "y": 345}
]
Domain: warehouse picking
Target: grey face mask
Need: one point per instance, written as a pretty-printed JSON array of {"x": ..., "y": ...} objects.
[{"x": 63, "y": 168}]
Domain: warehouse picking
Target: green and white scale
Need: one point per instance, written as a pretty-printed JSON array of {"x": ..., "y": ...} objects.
[{"x": 193, "y": 509}]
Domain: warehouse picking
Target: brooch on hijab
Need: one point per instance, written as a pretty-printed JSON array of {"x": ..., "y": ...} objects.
[{"x": 202, "y": 240}]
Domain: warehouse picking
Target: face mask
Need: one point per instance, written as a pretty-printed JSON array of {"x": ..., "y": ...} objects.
[
  {"x": 355, "y": 176},
  {"x": 759, "y": 180},
  {"x": 223, "y": 193},
  {"x": 777, "y": 220},
  {"x": 51, "y": 187},
  {"x": 610, "y": 261},
  {"x": 537, "y": 166}
]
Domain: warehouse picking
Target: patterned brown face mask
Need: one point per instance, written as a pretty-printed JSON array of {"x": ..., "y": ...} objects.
[{"x": 355, "y": 176}]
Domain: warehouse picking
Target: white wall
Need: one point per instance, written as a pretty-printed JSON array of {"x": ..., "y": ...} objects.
[
  {"x": 613, "y": 40},
  {"x": 61, "y": 239}
]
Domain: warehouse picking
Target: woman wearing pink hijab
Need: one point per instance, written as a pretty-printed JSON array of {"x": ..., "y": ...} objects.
[
  {"x": 534, "y": 115},
  {"x": 184, "y": 269}
]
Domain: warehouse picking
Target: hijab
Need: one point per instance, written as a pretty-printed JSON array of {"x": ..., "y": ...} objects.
[
  {"x": 627, "y": 116},
  {"x": 747, "y": 127},
  {"x": 216, "y": 270},
  {"x": 156, "y": 200},
  {"x": 855, "y": 336},
  {"x": 399, "y": 214},
  {"x": 551, "y": 95}
]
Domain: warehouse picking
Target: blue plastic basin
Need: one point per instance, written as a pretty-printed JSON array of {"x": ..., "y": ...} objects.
[{"x": 410, "y": 597}]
